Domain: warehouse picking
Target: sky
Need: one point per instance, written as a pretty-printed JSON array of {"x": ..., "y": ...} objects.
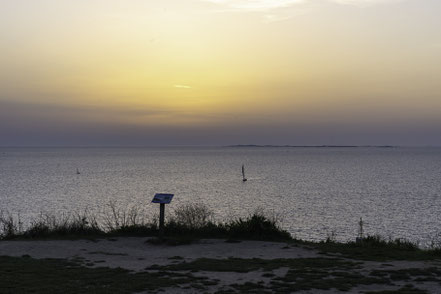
[{"x": 220, "y": 72}]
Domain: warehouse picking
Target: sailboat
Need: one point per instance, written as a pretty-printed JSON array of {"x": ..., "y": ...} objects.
[
  {"x": 78, "y": 172},
  {"x": 243, "y": 174}
]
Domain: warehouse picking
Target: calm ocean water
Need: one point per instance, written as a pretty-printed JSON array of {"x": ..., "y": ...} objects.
[{"x": 315, "y": 191}]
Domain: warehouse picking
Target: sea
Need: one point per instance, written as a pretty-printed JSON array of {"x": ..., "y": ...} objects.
[{"x": 314, "y": 192}]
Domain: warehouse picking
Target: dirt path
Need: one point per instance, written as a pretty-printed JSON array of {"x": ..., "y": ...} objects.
[{"x": 138, "y": 255}]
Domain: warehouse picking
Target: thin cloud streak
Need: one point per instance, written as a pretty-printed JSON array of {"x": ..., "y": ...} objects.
[
  {"x": 265, "y": 5},
  {"x": 281, "y": 10},
  {"x": 182, "y": 86},
  {"x": 255, "y": 5},
  {"x": 364, "y": 3}
]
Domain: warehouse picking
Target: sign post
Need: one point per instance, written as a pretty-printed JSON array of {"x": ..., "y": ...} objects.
[{"x": 162, "y": 199}]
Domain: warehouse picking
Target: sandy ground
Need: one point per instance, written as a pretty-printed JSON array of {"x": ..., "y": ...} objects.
[{"x": 136, "y": 254}]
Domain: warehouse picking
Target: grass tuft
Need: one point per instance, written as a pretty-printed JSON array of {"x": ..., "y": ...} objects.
[{"x": 377, "y": 248}]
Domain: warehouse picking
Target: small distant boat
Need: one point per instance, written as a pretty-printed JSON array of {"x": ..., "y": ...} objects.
[
  {"x": 78, "y": 172},
  {"x": 244, "y": 179}
]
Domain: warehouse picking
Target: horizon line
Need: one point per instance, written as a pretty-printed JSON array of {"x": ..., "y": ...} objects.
[{"x": 225, "y": 146}]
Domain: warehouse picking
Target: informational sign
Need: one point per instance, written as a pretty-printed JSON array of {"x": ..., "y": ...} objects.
[{"x": 162, "y": 198}]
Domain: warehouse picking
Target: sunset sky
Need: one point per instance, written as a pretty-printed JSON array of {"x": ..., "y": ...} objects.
[{"x": 219, "y": 72}]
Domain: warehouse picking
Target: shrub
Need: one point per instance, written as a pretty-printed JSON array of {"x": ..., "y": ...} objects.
[
  {"x": 192, "y": 216},
  {"x": 257, "y": 227}
]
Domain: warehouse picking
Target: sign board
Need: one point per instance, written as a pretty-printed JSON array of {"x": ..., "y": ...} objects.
[{"x": 162, "y": 198}]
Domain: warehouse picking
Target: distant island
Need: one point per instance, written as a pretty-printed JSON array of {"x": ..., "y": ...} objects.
[{"x": 312, "y": 146}]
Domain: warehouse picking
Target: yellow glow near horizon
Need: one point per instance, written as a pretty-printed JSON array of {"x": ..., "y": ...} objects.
[{"x": 214, "y": 62}]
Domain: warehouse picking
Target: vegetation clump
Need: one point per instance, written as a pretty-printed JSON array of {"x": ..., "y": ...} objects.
[
  {"x": 192, "y": 222},
  {"x": 188, "y": 223},
  {"x": 257, "y": 227},
  {"x": 376, "y": 248},
  {"x": 50, "y": 226}
]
